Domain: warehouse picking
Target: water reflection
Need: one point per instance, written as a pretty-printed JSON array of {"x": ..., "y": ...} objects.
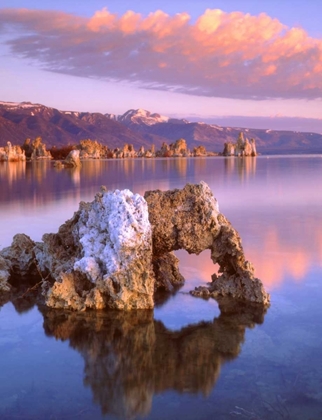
[
  {"x": 12, "y": 171},
  {"x": 182, "y": 166},
  {"x": 272, "y": 202},
  {"x": 245, "y": 167},
  {"x": 129, "y": 357},
  {"x": 279, "y": 258}
]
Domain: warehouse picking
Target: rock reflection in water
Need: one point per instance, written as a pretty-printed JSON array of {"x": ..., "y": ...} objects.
[{"x": 129, "y": 357}]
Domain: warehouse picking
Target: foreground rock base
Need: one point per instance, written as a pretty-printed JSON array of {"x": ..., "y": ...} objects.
[
  {"x": 101, "y": 258},
  {"x": 237, "y": 279},
  {"x": 243, "y": 288}
]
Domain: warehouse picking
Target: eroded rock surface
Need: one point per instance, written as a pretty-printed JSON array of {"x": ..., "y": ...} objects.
[
  {"x": 183, "y": 219},
  {"x": 4, "y": 275},
  {"x": 243, "y": 147},
  {"x": 91, "y": 149},
  {"x": 101, "y": 258},
  {"x": 73, "y": 159},
  {"x": 196, "y": 224},
  {"x": 20, "y": 257},
  {"x": 166, "y": 271},
  {"x": 12, "y": 153},
  {"x": 199, "y": 151},
  {"x": 177, "y": 149},
  {"x": 36, "y": 149},
  {"x": 116, "y": 251},
  {"x": 237, "y": 275}
]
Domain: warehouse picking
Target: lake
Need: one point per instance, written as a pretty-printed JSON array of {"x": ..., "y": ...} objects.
[{"x": 188, "y": 358}]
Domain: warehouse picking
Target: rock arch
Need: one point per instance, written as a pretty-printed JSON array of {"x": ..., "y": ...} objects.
[
  {"x": 190, "y": 219},
  {"x": 117, "y": 250}
]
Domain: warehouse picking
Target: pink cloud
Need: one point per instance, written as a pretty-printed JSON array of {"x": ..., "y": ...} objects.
[{"x": 233, "y": 55}]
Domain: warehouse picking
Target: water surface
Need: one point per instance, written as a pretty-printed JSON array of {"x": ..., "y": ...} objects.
[{"x": 188, "y": 358}]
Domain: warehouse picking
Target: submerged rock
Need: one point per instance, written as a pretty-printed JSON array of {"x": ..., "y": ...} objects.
[{"x": 116, "y": 251}]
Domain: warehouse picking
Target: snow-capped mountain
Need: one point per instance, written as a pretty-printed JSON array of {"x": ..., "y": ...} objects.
[
  {"x": 19, "y": 121},
  {"x": 142, "y": 116}
]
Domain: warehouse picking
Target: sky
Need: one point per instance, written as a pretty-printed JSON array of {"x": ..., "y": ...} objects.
[{"x": 252, "y": 63}]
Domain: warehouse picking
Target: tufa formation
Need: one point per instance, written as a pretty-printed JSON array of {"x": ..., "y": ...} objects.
[{"x": 117, "y": 251}]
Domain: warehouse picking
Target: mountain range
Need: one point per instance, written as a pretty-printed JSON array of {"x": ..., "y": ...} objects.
[{"x": 19, "y": 121}]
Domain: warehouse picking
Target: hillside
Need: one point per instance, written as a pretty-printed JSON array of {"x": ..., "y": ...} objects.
[
  {"x": 138, "y": 127},
  {"x": 58, "y": 128}
]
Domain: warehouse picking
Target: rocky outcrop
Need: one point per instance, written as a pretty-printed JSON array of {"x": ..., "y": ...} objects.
[
  {"x": 126, "y": 152},
  {"x": 243, "y": 147},
  {"x": 4, "y": 275},
  {"x": 91, "y": 149},
  {"x": 177, "y": 149},
  {"x": 20, "y": 257},
  {"x": 101, "y": 258},
  {"x": 164, "y": 151},
  {"x": 36, "y": 149},
  {"x": 12, "y": 153},
  {"x": 237, "y": 275},
  {"x": 146, "y": 153},
  {"x": 141, "y": 152},
  {"x": 199, "y": 151},
  {"x": 116, "y": 251},
  {"x": 180, "y": 148},
  {"x": 166, "y": 271},
  {"x": 196, "y": 225},
  {"x": 73, "y": 159},
  {"x": 183, "y": 219}
]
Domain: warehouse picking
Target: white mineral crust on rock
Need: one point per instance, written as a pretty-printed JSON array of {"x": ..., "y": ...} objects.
[
  {"x": 110, "y": 234},
  {"x": 110, "y": 260},
  {"x": 103, "y": 256}
]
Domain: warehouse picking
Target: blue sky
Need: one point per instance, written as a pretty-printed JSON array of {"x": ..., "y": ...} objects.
[{"x": 263, "y": 63}]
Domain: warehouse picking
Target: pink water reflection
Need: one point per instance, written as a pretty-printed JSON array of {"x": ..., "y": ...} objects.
[
  {"x": 275, "y": 256},
  {"x": 274, "y": 203}
]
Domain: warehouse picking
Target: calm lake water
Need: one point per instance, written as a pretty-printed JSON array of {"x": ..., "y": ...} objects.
[{"x": 187, "y": 359}]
